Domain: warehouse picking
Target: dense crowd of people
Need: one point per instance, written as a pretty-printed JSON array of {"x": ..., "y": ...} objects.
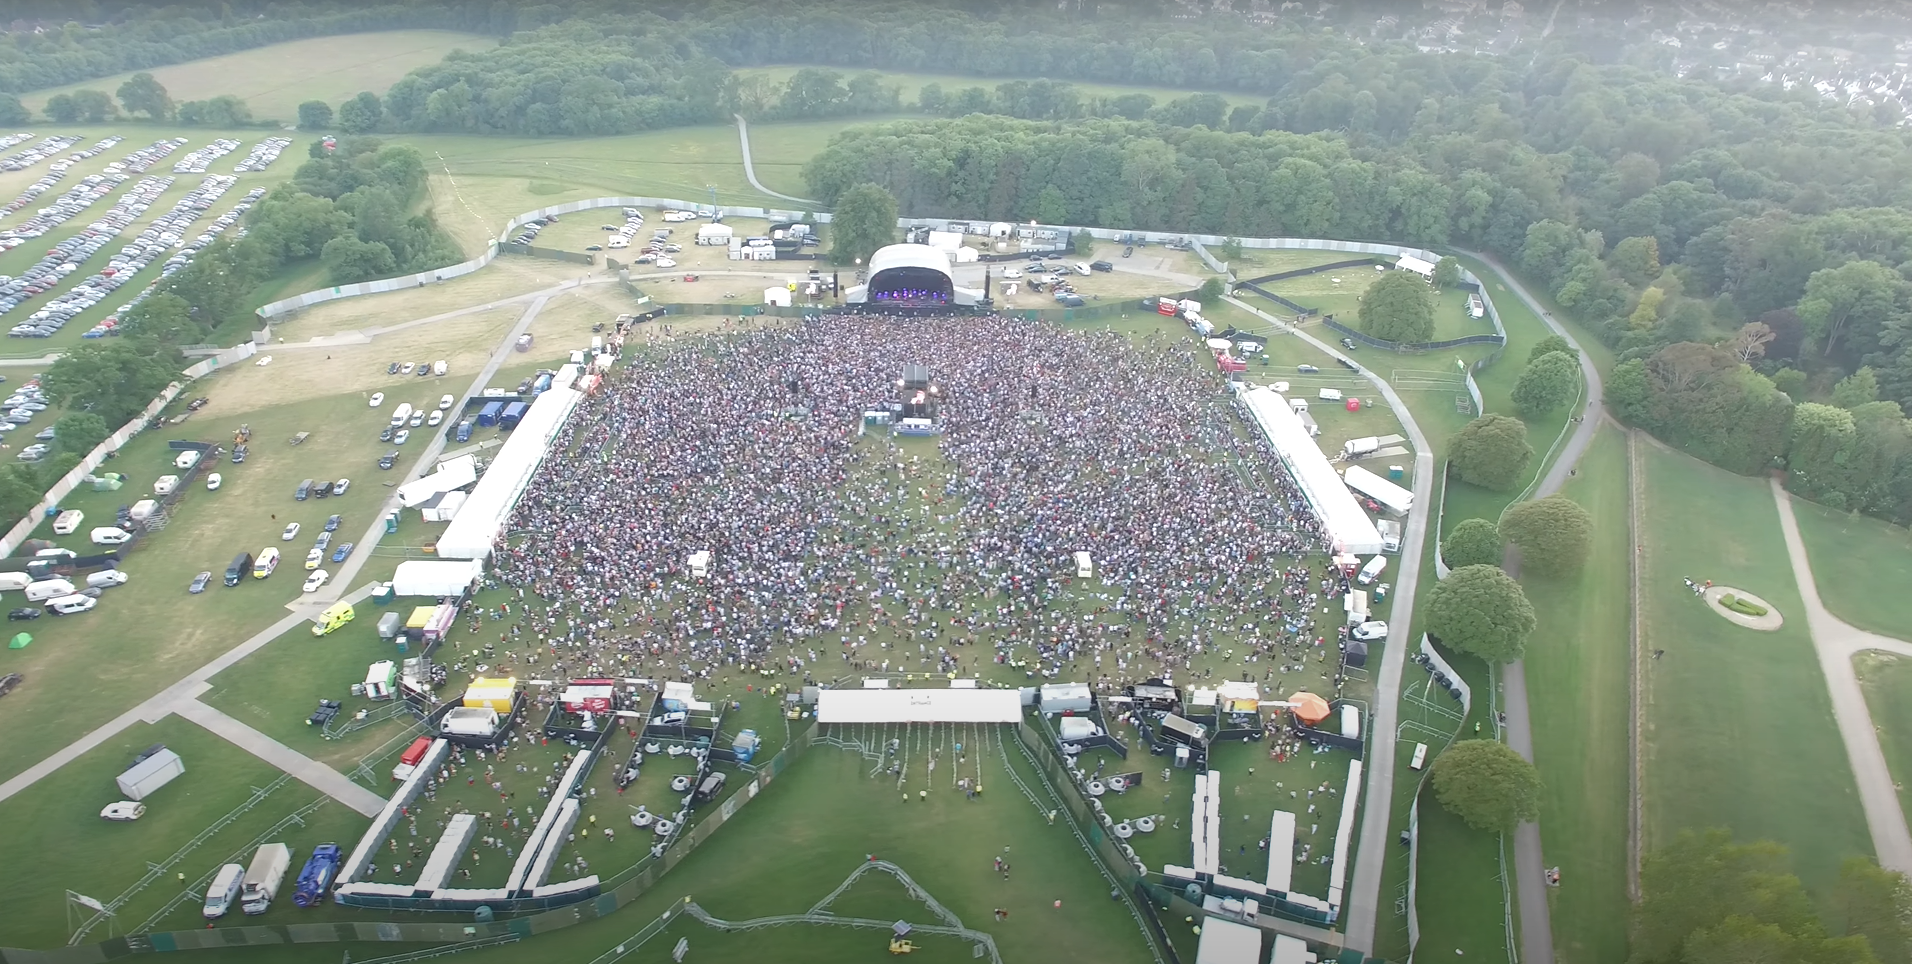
[{"x": 838, "y": 548}]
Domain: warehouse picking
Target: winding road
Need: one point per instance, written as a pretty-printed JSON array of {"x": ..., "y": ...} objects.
[{"x": 750, "y": 169}]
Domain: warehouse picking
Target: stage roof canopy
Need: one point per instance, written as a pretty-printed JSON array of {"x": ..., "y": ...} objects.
[{"x": 919, "y": 706}]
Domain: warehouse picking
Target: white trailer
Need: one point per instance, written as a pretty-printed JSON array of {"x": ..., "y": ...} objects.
[
  {"x": 1391, "y": 497},
  {"x": 142, "y": 778},
  {"x": 263, "y": 877},
  {"x": 1355, "y": 448}
]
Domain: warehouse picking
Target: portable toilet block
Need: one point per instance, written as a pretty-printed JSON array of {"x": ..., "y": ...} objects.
[
  {"x": 1396, "y": 473},
  {"x": 389, "y": 625}
]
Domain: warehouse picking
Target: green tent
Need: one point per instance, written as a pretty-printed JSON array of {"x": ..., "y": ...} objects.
[{"x": 20, "y": 641}]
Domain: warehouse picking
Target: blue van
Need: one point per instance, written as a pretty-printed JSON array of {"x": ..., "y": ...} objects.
[
  {"x": 512, "y": 413},
  {"x": 464, "y": 431},
  {"x": 489, "y": 414}
]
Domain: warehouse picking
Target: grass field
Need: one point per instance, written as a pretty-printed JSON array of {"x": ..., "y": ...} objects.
[
  {"x": 1887, "y": 679},
  {"x": 276, "y": 79},
  {"x": 1577, "y": 677},
  {"x": 1859, "y": 564},
  {"x": 1738, "y": 730},
  {"x": 912, "y": 83},
  {"x": 818, "y": 820},
  {"x": 1338, "y": 293}
]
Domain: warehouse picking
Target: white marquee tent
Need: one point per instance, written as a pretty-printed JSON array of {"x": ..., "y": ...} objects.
[
  {"x": 919, "y": 706},
  {"x": 1348, "y": 526},
  {"x": 421, "y": 577},
  {"x": 472, "y": 533}
]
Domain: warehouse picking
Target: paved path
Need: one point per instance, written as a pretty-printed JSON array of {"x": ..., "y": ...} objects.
[
  {"x": 1536, "y": 929},
  {"x": 1362, "y": 903},
  {"x": 1836, "y": 642},
  {"x": 302, "y": 768},
  {"x": 173, "y": 698},
  {"x": 750, "y": 170}
]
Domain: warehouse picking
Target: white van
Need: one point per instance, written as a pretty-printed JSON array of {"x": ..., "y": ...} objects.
[
  {"x": 439, "y": 367},
  {"x": 106, "y": 578},
  {"x": 401, "y": 414},
  {"x": 68, "y": 605},
  {"x": 10, "y": 581},
  {"x": 1082, "y": 268},
  {"x": 223, "y": 890},
  {"x": 186, "y": 460},
  {"x": 68, "y": 522},
  {"x": 110, "y": 536},
  {"x": 1373, "y": 569},
  {"x": 47, "y": 589}
]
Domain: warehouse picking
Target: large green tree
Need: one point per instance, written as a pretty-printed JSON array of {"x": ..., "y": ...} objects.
[
  {"x": 1487, "y": 785},
  {"x": 1554, "y": 534},
  {"x": 1473, "y": 542},
  {"x": 865, "y": 220},
  {"x": 1547, "y": 383},
  {"x": 1549, "y": 344},
  {"x": 1398, "y": 307},
  {"x": 224, "y": 110},
  {"x": 1491, "y": 452},
  {"x": 141, "y": 94},
  {"x": 62, "y": 108},
  {"x": 361, "y": 114},
  {"x": 13, "y": 112},
  {"x": 116, "y": 377},
  {"x": 1875, "y": 903},
  {"x": 79, "y": 432},
  {"x": 1706, "y": 899},
  {"x": 93, "y": 106},
  {"x": 1482, "y": 611},
  {"x": 1851, "y": 303},
  {"x": 315, "y": 115}
]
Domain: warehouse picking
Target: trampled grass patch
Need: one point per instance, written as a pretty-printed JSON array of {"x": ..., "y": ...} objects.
[
  {"x": 1739, "y": 732},
  {"x": 274, "y": 80},
  {"x": 1578, "y": 680},
  {"x": 1859, "y": 565}
]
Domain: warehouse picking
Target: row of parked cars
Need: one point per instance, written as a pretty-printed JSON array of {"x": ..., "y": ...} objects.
[
  {"x": 69, "y": 205},
  {"x": 263, "y": 154},
  {"x": 55, "y": 174},
  {"x": 167, "y": 229},
  {"x": 64, "y": 259},
  {"x": 142, "y": 160},
  {"x": 195, "y": 161},
  {"x": 39, "y": 152},
  {"x": 529, "y": 231}
]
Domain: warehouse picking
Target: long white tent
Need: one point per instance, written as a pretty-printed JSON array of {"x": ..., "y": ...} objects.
[
  {"x": 919, "y": 706},
  {"x": 476, "y": 528},
  {"x": 1348, "y": 526},
  {"x": 453, "y": 473},
  {"x": 436, "y": 577}
]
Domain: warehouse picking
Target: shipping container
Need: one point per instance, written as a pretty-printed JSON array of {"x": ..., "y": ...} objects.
[
  {"x": 513, "y": 413},
  {"x": 488, "y": 415}
]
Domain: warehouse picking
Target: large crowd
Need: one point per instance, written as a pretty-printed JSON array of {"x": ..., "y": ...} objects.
[{"x": 838, "y": 548}]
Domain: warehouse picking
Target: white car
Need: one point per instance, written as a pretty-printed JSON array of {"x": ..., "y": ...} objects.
[
  {"x": 445, "y": 402},
  {"x": 263, "y": 361},
  {"x": 213, "y": 481},
  {"x": 436, "y": 418},
  {"x": 378, "y": 398},
  {"x": 339, "y": 487},
  {"x": 316, "y": 580},
  {"x": 402, "y": 437},
  {"x": 123, "y": 811},
  {"x": 314, "y": 557},
  {"x": 1371, "y": 630},
  {"x": 1012, "y": 272},
  {"x": 291, "y": 532},
  {"x": 663, "y": 262}
]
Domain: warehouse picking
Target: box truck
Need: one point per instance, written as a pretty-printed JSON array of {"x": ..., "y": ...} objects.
[
  {"x": 408, "y": 761},
  {"x": 1355, "y": 448},
  {"x": 488, "y": 416},
  {"x": 1390, "y": 534},
  {"x": 512, "y": 414},
  {"x": 263, "y": 877}
]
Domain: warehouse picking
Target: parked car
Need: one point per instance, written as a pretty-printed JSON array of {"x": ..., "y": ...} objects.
[
  {"x": 344, "y": 549},
  {"x": 388, "y": 460},
  {"x": 386, "y": 435},
  {"x": 1101, "y": 266},
  {"x": 316, "y": 580},
  {"x": 406, "y": 368},
  {"x": 391, "y": 369},
  {"x": 1371, "y": 630},
  {"x": 213, "y": 482},
  {"x": 23, "y": 613},
  {"x": 332, "y": 522},
  {"x": 418, "y": 418},
  {"x": 1307, "y": 369},
  {"x": 436, "y": 418},
  {"x": 401, "y": 437},
  {"x": 199, "y": 583},
  {"x": 445, "y": 402},
  {"x": 378, "y": 398},
  {"x": 239, "y": 455},
  {"x": 124, "y": 811},
  {"x": 313, "y": 557},
  {"x": 291, "y": 532}
]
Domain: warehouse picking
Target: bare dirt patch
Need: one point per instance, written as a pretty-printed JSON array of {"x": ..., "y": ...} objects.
[{"x": 298, "y": 373}]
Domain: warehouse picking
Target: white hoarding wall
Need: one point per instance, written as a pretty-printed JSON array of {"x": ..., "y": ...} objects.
[
  {"x": 472, "y": 534},
  {"x": 1347, "y": 524}
]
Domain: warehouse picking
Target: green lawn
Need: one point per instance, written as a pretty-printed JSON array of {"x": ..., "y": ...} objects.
[
  {"x": 149, "y": 633},
  {"x": 1578, "y": 681},
  {"x": 1859, "y": 564},
  {"x": 1739, "y": 733},
  {"x": 1887, "y": 681},
  {"x": 912, "y": 83},
  {"x": 274, "y": 80},
  {"x": 100, "y": 859},
  {"x": 779, "y": 151}
]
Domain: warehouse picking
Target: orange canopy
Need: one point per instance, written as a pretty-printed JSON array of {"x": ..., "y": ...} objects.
[{"x": 1309, "y": 708}]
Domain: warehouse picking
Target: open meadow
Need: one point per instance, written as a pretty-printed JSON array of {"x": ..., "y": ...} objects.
[
  {"x": 274, "y": 80},
  {"x": 1738, "y": 732},
  {"x": 1577, "y": 668},
  {"x": 1859, "y": 565}
]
